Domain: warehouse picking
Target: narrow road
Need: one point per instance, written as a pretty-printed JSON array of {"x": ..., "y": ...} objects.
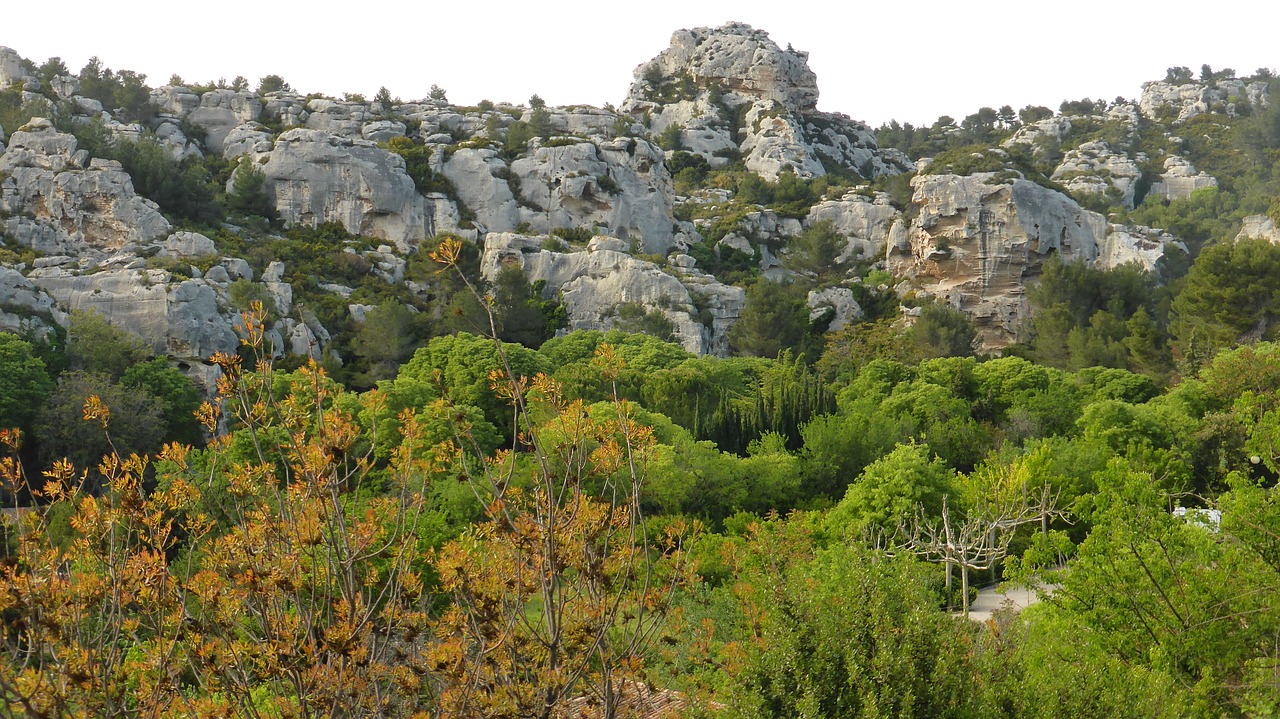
[{"x": 993, "y": 598}]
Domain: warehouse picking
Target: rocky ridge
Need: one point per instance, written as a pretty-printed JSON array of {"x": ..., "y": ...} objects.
[{"x": 397, "y": 174}]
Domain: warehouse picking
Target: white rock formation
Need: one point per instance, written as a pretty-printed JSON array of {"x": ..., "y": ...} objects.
[
  {"x": 65, "y": 206},
  {"x": 1187, "y": 100},
  {"x": 838, "y": 302},
  {"x": 594, "y": 283},
  {"x": 1180, "y": 179},
  {"x": 476, "y": 174},
  {"x": 699, "y": 81},
  {"x": 1096, "y": 168},
  {"x": 866, "y": 222},
  {"x": 1145, "y": 246},
  {"x": 13, "y": 71},
  {"x": 317, "y": 177},
  {"x": 222, "y": 110},
  {"x": 621, "y": 186},
  {"x": 179, "y": 318},
  {"x": 24, "y": 307},
  {"x": 1259, "y": 227}
]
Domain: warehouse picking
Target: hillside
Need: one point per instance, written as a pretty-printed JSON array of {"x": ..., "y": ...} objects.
[{"x": 707, "y": 405}]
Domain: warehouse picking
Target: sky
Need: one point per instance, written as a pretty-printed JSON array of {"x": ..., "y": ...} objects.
[{"x": 911, "y": 61}]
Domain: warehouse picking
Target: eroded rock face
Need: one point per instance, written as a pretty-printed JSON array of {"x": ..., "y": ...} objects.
[
  {"x": 594, "y": 283},
  {"x": 180, "y": 318},
  {"x": 317, "y": 177},
  {"x": 698, "y": 82},
  {"x": 1259, "y": 227},
  {"x": 866, "y": 222},
  {"x": 13, "y": 71},
  {"x": 222, "y": 110},
  {"x": 476, "y": 174},
  {"x": 66, "y": 206},
  {"x": 1128, "y": 244},
  {"x": 977, "y": 245},
  {"x": 837, "y": 303},
  {"x": 24, "y": 307},
  {"x": 1180, "y": 179},
  {"x": 621, "y": 185},
  {"x": 740, "y": 59}
]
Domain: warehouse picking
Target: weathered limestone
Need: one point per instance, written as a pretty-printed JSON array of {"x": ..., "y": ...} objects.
[
  {"x": 181, "y": 319},
  {"x": 1096, "y": 168},
  {"x": 706, "y": 73},
  {"x": 838, "y": 302},
  {"x": 222, "y": 110},
  {"x": 1187, "y": 100},
  {"x": 66, "y": 205},
  {"x": 866, "y": 222},
  {"x": 317, "y": 177},
  {"x": 1259, "y": 227},
  {"x": 621, "y": 185},
  {"x": 977, "y": 245},
  {"x": 1180, "y": 179},
  {"x": 1145, "y": 246},
  {"x": 594, "y": 283}
]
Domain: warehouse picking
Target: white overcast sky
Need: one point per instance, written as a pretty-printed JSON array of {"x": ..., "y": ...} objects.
[{"x": 912, "y": 60}]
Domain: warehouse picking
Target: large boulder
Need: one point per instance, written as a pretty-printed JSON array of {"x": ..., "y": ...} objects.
[
  {"x": 1180, "y": 179},
  {"x": 317, "y": 177},
  {"x": 175, "y": 100},
  {"x": 866, "y": 222},
  {"x": 477, "y": 175},
  {"x": 13, "y": 70}
]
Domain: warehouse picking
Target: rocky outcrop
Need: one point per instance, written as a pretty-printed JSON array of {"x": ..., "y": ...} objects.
[
  {"x": 837, "y": 304},
  {"x": 866, "y": 222},
  {"x": 1095, "y": 168},
  {"x": 180, "y": 318},
  {"x": 977, "y": 244},
  {"x": 1259, "y": 227},
  {"x": 222, "y": 110},
  {"x": 621, "y": 186},
  {"x": 1129, "y": 244},
  {"x": 316, "y": 177},
  {"x": 244, "y": 139},
  {"x": 337, "y": 117},
  {"x": 1180, "y": 179},
  {"x": 741, "y": 60},
  {"x": 24, "y": 307},
  {"x": 65, "y": 203},
  {"x": 699, "y": 83},
  {"x": 14, "y": 71},
  {"x": 477, "y": 177},
  {"x": 1185, "y": 101},
  {"x": 593, "y": 284}
]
